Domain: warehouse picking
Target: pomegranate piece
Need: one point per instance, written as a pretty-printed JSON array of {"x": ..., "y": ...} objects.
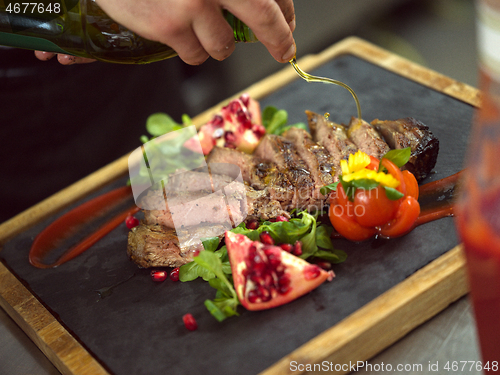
[
  {"x": 267, "y": 276},
  {"x": 158, "y": 276},
  {"x": 174, "y": 274},
  {"x": 190, "y": 322},
  {"x": 131, "y": 222},
  {"x": 237, "y": 125}
]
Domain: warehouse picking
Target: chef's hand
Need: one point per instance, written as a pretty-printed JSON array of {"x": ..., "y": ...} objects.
[
  {"x": 196, "y": 29},
  {"x": 63, "y": 59}
]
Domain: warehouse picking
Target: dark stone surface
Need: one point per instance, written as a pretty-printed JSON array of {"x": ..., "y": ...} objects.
[{"x": 137, "y": 328}]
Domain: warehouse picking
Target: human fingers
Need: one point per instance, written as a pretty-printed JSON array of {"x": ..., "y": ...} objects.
[
  {"x": 214, "y": 33},
  {"x": 44, "y": 56},
  {"x": 70, "y": 60},
  {"x": 288, "y": 11},
  {"x": 268, "y": 23}
]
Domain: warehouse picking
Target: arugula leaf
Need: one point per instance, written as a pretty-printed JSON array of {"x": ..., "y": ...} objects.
[
  {"x": 334, "y": 256},
  {"x": 328, "y": 188},
  {"x": 349, "y": 188},
  {"x": 210, "y": 243},
  {"x": 267, "y": 115},
  {"x": 193, "y": 270},
  {"x": 392, "y": 193},
  {"x": 279, "y": 119},
  {"x": 213, "y": 265},
  {"x": 399, "y": 157},
  {"x": 364, "y": 183},
  {"x": 275, "y": 121},
  {"x": 284, "y": 128},
  {"x": 160, "y": 123},
  {"x": 222, "y": 308}
]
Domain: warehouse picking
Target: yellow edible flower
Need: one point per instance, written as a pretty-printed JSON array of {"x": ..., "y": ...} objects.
[
  {"x": 357, "y": 162},
  {"x": 355, "y": 169}
]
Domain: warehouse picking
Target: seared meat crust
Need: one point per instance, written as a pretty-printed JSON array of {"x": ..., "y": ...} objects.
[{"x": 408, "y": 132}]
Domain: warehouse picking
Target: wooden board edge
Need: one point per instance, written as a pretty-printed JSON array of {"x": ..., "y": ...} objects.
[
  {"x": 58, "y": 345},
  {"x": 371, "y": 329}
]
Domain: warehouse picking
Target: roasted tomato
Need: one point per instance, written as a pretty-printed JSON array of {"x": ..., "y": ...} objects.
[{"x": 370, "y": 210}]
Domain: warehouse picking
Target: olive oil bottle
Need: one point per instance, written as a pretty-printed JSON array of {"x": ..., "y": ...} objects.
[{"x": 82, "y": 28}]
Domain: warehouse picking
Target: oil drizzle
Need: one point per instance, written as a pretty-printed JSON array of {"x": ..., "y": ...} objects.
[{"x": 310, "y": 78}]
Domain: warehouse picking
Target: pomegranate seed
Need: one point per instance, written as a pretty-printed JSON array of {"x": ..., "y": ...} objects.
[
  {"x": 190, "y": 322},
  {"x": 229, "y": 137},
  {"x": 174, "y": 274},
  {"x": 281, "y": 218},
  {"x": 274, "y": 261},
  {"x": 234, "y": 107},
  {"x": 245, "y": 99},
  {"x": 287, "y": 247},
  {"x": 324, "y": 264},
  {"x": 158, "y": 276},
  {"x": 311, "y": 272},
  {"x": 218, "y": 121},
  {"x": 259, "y": 130},
  {"x": 284, "y": 280},
  {"x": 258, "y": 263},
  {"x": 253, "y": 296},
  {"x": 266, "y": 238},
  {"x": 131, "y": 222},
  {"x": 297, "y": 249},
  {"x": 253, "y": 224},
  {"x": 196, "y": 252}
]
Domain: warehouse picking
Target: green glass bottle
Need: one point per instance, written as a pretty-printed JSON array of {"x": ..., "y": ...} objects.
[{"x": 82, "y": 28}]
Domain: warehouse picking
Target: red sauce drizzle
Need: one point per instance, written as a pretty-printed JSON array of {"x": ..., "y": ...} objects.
[
  {"x": 68, "y": 224},
  {"x": 437, "y": 209}
]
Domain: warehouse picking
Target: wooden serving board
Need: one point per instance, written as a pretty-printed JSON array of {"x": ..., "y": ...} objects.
[{"x": 374, "y": 319}]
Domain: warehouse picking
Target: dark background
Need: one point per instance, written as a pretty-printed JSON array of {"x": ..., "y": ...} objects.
[{"x": 60, "y": 123}]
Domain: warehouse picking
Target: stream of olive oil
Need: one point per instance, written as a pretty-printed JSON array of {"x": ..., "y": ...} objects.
[{"x": 310, "y": 78}]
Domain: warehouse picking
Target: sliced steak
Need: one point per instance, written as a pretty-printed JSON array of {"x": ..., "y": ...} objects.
[
  {"x": 278, "y": 150},
  {"x": 244, "y": 161},
  {"x": 159, "y": 246},
  {"x": 333, "y": 137},
  {"x": 318, "y": 159},
  {"x": 367, "y": 138},
  {"x": 184, "y": 209},
  {"x": 409, "y": 132}
]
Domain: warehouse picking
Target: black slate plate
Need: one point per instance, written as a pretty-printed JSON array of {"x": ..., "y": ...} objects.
[{"x": 134, "y": 326}]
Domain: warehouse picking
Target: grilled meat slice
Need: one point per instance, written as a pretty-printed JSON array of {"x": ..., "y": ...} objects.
[
  {"x": 318, "y": 159},
  {"x": 408, "y": 132},
  {"x": 278, "y": 150},
  {"x": 231, "y": 156},
  {"x": 159, "y": 246},
  {"x": 191, "y": 208},
  {"x": 366, "y": 138},
  {"x": 333, "y": 137}
]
